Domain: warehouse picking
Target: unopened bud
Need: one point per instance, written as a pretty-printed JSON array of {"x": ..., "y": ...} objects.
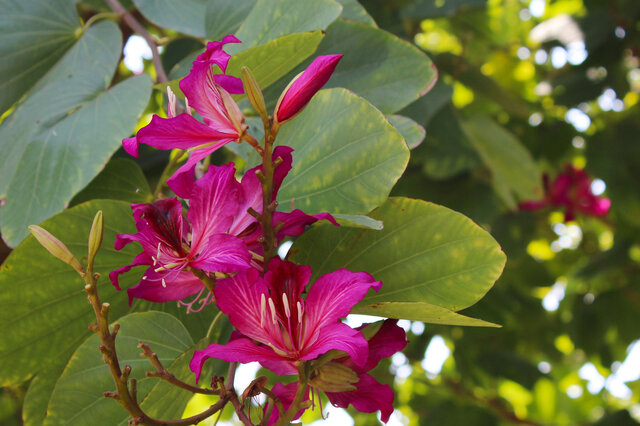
[
  {"x": 334, "y": 377},
  {"x": 56, "y": 248},
  {"x": 253, "y": 92},
  {"x": 95, "y": 237},
  {"x": 302, "y": 88},
  {"x": 233, "y": 111},
  {"x": 171, "y": 102}
]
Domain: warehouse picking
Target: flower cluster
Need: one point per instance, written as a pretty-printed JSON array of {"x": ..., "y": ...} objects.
[
  {"x": 571, "y": 190},
  {"x": 215, "y": 241}
]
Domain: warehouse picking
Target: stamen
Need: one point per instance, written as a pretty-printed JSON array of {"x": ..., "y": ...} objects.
[
  {"x": 273, "y": 311},
  {"x": 285, "y": 303},
  {"x": 158, "y": 252},
  {"x": 144, "y": 277},
  {"x": 155, "y": 261},
  {"x": 164, "y": 284},
  {"x": 263, "y": 308},
  {"x": 299, "y": 305}
]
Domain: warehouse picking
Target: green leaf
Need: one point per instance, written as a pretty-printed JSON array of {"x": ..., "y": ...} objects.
[
  {"x": 270, "y": 19},
  {"x": 382, "y": 68},
  {"x": 78, "y": 398},
  {"x": 447, "y": 150},
  {"x": 425, "y": 253},
  {"x": 412, "y": 132},
  {"x": 44, "y": 309},
  {"x": 34, "y": 35},
  {"x": 418, "y": 311},
  {"x": 36, "y": 400},
  {"x": 425, "y": 108},
  {"x": 166, "y": 401},
  {"x": 515, "y": 174},
  {"x": 225, "y": 17},
  {"x": 347, "y": 155},
  {"x": 358, "y": 221},
  {"x": 351, "y": 9},
  {"x": 272, "y": 60},
  {"x": 121, "y": 179},
  {"x": 62, "y": 134},
  {"x": 185, "y": 16}
]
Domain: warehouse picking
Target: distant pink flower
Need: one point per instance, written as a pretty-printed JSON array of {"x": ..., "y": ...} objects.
[
  {"x": 571, "y": 190},
  {"x": 171, "y": 245},
  {"x": 277, "y": 327},
  {"x": 304, "y": 86},
  {"x": 366, "y": 395},
  {"x": 205, "y": 92}
]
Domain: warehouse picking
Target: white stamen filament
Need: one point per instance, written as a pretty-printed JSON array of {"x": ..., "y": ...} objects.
[
  {"x": 164, "y": 284},
  {"x": 273, "y": 311},
  {"x": 155, "y": 261},
  {"x": 263, "y": 308},
  {"x": 299, "y": 313},
  {"x": 285, "y": 303}
]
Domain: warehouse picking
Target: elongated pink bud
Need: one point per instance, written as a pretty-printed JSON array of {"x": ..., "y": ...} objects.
[{"x": 300, "y": 91}]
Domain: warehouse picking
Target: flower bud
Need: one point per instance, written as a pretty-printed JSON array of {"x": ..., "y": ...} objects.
[
  {"x": 171, "y": 103},
  {"x": 334, "y": 377},
  {"x": 233, "y": 111},
  {"x": 302, "y": 88},
  {"x": 95, "y": 237},
  {"x": 56, "y": 248},
  {"x": 253, "y": 92}
]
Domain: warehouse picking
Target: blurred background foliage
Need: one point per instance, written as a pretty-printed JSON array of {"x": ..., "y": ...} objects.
[{"x": 522, "y": 84}]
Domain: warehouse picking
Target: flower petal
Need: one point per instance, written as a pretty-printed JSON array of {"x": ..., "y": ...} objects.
[
  {"x": 386, "y": 342},
  {"x": 223, "y": 253},
  {"x": 239, "y": 297},
  {"x": 241, "y": 349},
  {"x": 130, "y": 145},
  {"x": 182, "y": 132},
  {"x": 214, "y": 54},
  {"x": 286, "y": 394},
  {"x": 213, "y": 202},
  {"x": 152, "y": 288},
  {"x": 334, "y": 294},
  {"x": 338, "y": 336},
  {"x": 369, "y": 397},
  {"x": 295, "y": 222},
  {"x": 141, "y": 259}
]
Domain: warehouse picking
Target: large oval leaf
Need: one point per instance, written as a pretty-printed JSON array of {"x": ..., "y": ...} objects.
[
  {"x": 78, "y": 397},
  {"x": 225, "y": 16},
  {"x": 425, "y": 253},
  {"x": 270, "y": 19},
  {"x": 33, "y": 36},
  {"x": 43, "y": 305},
  {"x": 62, "y": 134},
  {"x": 347, "y": 155}
]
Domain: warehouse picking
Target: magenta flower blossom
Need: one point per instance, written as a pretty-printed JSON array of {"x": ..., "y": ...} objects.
[
  {"x": 302, "y": 88},
  {"x": 571, "y": 190},
  {"x": 219, "y": 236},
  {"x": 277, "y": 327},
  {"x": 365, "y": 393},
  {"x": 207, "y": 93},
  {"x": 171, "y": 245}
]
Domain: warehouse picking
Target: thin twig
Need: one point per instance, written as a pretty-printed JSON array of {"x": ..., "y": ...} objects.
[{"x": 161, "y": 76}]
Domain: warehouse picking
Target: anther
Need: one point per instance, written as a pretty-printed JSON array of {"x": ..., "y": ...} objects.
[
  {"x": 285, "y": 303},
  {"x": 299, "y": 305},
  {"x": 273, "y": 311},
  {"x": 158, "y": 252},
  {"x": 164, "y": 284},
  {"x": 263, "y": 308}
]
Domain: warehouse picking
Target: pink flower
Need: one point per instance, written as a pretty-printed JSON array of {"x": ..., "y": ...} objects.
[
  {"x": 572, "y": 190},
  {"x": 171, "y": 245},
  {"x": 207, "y": 93},
  {"x": 219, "y": 236},
  {"x": 277, "y": 327},
  {"x": 362, "y": 391},
  {"x": 302, "y": 88}
]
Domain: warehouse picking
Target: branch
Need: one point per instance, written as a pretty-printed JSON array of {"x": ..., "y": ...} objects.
[{"x": 136, "y": 26}]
